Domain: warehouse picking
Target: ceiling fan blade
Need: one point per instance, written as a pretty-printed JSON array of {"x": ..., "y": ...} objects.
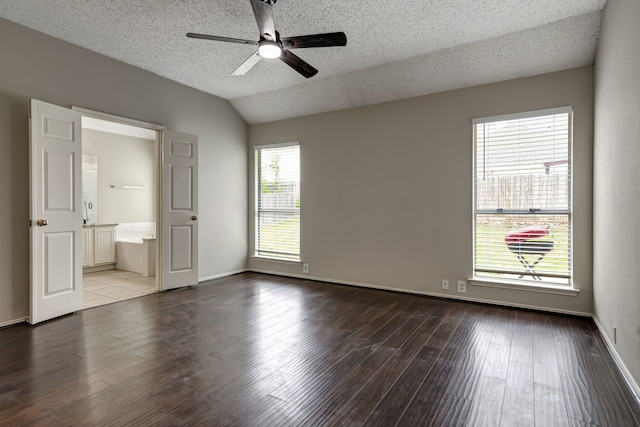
[
  {"x": 247, "y": 65},
  {"x": 315, "y": 40},
  {"x": 264, "y": 17},
  {"x": 220, "y": 39},
  {"x": 297, "y": 64}
]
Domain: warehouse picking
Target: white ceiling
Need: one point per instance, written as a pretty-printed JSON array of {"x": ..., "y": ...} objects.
[{"x": 396, "y": 48}]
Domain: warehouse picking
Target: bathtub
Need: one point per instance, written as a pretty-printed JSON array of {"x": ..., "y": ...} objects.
[{"x": 137, "y": 254}]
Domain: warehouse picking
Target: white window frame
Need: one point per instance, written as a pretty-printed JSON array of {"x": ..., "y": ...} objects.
[
  {"x": 497, "y": 281},
  {"x": 284, "y": 257}
]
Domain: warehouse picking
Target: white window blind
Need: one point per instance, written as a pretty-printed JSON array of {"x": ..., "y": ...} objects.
[
  {"x": 278, "y": 201},
  {"x": 523, "y": 196}
]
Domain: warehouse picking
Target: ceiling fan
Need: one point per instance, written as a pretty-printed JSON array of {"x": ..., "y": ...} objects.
[{"x": 271, "y": 45}]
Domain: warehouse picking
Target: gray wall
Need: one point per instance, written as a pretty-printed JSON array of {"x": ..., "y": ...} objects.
[
  {"x": 123, "y": 160},
  {"x": 617, "y": 180},
  {"x": 387, "y": 189},
  {"x": 38, "y": 66}
]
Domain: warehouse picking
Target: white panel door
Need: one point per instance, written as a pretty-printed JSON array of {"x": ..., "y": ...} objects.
[
  {"x": 179, "y": 210},
  {"x": 56, "y": 217}
]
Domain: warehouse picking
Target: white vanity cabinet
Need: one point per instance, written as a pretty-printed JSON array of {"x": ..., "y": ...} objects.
[
  {"x": 87, "y": 247},
  {"x": 99, "y": 246}
]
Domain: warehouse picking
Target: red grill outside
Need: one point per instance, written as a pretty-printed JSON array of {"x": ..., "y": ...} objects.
[{"x": 529, "y": 241}]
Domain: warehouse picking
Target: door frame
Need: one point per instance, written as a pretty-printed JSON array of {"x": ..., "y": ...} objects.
[{"x": 158, "y": 160}]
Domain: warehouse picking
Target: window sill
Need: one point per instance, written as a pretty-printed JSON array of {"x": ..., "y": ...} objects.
[
  {"x": 279, "y": 260},
  {"x": 547, "y": 288}
]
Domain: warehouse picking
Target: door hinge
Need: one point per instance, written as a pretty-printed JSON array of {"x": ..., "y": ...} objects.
[{"x": 30, "y": 223}]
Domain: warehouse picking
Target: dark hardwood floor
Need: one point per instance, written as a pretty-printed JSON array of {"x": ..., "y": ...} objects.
[{"x": 258, "y": 350}]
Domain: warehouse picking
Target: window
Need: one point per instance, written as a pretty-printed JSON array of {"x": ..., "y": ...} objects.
[
  {"x": 278, "y": 201},
  {"x": 522, "y": 195}
]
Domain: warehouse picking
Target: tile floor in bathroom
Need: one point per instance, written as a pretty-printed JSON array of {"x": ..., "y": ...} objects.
[{"x": 106, "y": 287}]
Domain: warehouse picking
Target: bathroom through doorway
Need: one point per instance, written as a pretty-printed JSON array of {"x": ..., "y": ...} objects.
[{"x": 119, "y": 211}]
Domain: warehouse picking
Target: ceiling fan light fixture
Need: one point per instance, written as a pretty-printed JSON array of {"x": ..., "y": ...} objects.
[{"x": 269, "y": 49}]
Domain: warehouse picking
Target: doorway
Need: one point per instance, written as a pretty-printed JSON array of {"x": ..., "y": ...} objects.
[
  {"x": 119, "y": 211},
  {"x": 57, "y": 252}
]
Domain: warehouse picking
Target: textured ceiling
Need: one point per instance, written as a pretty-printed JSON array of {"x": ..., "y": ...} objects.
[{"x": 396, "y": 49}]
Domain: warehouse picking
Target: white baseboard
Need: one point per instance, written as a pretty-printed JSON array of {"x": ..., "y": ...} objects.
[
  {"x": 430, "y": 294},
  {"x": 12, "y": 322},
  {"x": 631, "y": 382},
  {"x": 511, "y": 304},
  {"x": 221, "y": 275}
]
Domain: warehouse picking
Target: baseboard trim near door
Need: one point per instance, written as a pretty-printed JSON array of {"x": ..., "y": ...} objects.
[
  {"x": 631, "y": 382},
  {"x": 221, "y": 275},
  {"x": 428, "y": 294},
  {"x": 12, "y": 322}
]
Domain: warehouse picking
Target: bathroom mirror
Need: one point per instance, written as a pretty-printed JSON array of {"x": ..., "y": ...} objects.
[{"x": 89, "y": 189}]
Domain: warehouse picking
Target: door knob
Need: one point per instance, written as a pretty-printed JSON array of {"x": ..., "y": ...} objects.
[
  {"x": 42, "y": 223},
  {"x": 194, "y": 218}
]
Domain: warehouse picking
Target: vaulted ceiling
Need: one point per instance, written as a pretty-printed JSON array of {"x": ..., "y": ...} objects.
[{"x": 396, "y": 48}]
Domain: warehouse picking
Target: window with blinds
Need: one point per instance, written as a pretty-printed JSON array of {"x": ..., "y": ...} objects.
[
  {"x": 278, "y": 201},
  {"x": 522, "y": 186}
]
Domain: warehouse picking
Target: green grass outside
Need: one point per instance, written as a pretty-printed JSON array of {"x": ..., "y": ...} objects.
[
  {"x": 277, "y": 237},
  {"x": 493, "y": 253}
]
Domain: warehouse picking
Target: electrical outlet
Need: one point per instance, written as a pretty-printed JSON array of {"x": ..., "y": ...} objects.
[
  {"x": 445, "y": 284},
  {"x": 615, "y": 334},
  {"x": 305, "y": 268},
  {"x": 462, "y": 286}
]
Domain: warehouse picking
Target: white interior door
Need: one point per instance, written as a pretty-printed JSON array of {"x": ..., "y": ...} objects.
[
  {"x": 56, "y": 216},
  {"x": 179, "y": 210}
]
